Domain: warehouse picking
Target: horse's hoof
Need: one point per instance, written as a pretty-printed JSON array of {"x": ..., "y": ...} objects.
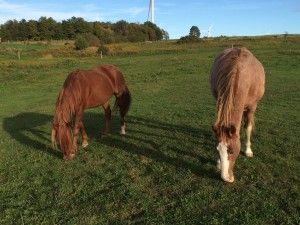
[
  {"x": 84, "y": 145},
  {"x": 249, "y": 154},
  {"x": 230, "y": 180},
  {"x": 122, "y": 130},
  {"x": 105, "y": 135}
]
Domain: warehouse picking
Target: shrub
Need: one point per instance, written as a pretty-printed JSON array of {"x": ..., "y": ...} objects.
[
  {"x": 189, "y": 39},
  {"x": 81, "y": 43},
  {"x": 103, "y": 49},
  {"x": 91, "y": 39}
]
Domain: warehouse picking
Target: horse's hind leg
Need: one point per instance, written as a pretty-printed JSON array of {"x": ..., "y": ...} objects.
[
  {"x": 122, "y": 114},
  {"x": 83, "y": 135},
  {"x": 123, "y": 102},
  {"x": 107, "y": 111},
  {"x": 249, "y": 124},
  {"x": 122, "y": 130}
]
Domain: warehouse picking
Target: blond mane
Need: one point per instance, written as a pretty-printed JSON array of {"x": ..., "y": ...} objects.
[{"x": 226, "y": 79}]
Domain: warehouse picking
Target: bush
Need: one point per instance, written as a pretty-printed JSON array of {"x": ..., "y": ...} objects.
[
  {"x": 81, "y": 43},
  {"x": 86, "y": 40},
  {"x": 91, "y": 39},
  {"x": 103, "y": 49},
  {"x": 189, "y": 39}
]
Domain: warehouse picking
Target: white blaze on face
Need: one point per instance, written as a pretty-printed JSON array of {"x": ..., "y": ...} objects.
[{"x": 222, "y": 148}]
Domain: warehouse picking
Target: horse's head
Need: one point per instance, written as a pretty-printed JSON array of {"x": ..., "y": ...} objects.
[
  {"x": 228, "y": 145},
  {"x": 62, "y": 135}
]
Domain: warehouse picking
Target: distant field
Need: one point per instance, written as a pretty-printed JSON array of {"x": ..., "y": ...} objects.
[{"x": 163, "y": 171}]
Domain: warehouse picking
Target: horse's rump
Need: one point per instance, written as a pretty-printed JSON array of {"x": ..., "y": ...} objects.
[{"x": 236, "y": 80}]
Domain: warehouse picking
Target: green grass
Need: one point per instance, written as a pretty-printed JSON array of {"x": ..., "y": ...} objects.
[{"x": 163, "y": 171}]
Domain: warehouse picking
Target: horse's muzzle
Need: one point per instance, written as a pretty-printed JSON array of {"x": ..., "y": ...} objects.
[
  {"x": 228, "y": 179},
  {"x": 68, "y": 157}
]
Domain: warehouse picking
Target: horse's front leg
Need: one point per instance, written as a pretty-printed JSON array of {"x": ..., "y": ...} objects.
[
  {"x": 83, "y": 135},
  {"x": 78, "y": 121},
  {"x": 107, "y": 111},
  {"x": 249, "y": 123}
]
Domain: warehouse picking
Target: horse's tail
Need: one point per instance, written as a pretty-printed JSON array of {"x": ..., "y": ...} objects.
[{"x": 123, "y": 101}]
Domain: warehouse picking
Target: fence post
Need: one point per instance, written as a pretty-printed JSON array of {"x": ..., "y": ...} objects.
[{"x": 19, "y": 54}]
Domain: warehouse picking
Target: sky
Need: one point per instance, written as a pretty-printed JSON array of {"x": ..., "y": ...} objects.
[{"x": 225, "y": 17}]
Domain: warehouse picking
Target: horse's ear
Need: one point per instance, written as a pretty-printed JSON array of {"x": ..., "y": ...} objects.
[
  {"x": 215, "y": 128},
  {"x": 231, "y": 131}
]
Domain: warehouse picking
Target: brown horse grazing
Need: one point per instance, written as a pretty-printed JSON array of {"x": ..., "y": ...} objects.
[
  {"x": 87, "y": 89},
  {"x": 237, "y": 81}
]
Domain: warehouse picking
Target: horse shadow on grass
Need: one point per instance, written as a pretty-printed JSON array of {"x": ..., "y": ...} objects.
[
  {"x": 28, "y": 129},
  {"x": 140, "y": 139}
]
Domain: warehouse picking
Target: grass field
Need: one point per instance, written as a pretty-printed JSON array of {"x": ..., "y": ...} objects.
[{"x": 163, "y": 171}]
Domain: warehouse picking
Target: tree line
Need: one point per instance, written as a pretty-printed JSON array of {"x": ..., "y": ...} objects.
[{"x": 107, "y": 32}]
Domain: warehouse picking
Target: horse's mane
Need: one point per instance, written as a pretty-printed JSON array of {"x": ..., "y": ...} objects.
[
  {"x": 226, "y": 79},
  {"x": 68, "y": 99}
]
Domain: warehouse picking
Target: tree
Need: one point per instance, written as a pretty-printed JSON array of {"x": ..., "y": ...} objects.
[
  {"x": 195, "y": 31},
  {"x": 153, "y": 32},
  {"x": 22, "y": 30},
  {"x": 121, "y": 27},
  {"x": 32, "y": 30},
  {"x": 165, "y": 35},
  {"x": 81, "y": 25},
  {"x": 46, "y": 27},
  {"x": 107, "y": 32},
  {"x": 10, "y": 30},
  {"x": 68, "y": 28},
  {"x": 59, "y": 32}
]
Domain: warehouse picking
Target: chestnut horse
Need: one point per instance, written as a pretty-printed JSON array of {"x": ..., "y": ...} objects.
[
  {"x": 237, "y": 82},
  {"x": 87, "y": 89}
]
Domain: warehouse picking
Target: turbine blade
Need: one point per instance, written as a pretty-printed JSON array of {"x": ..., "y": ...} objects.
[
  {"x": 152, "y": 4},
  {"x": 149, "y": 10}
]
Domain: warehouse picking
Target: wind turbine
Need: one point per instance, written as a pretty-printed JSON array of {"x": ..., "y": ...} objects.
[
  {"x": 151, "y": 8},
  {"x": 209, "y": 30}
]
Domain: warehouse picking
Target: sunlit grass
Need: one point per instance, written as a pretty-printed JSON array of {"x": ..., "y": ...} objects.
[{"x": 163, "y": 171}]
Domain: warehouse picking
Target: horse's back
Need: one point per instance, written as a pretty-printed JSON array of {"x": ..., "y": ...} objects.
[
  {"x": 250, "y": 72},
  {"x": 251, "y": 76},
  {"x": 115, "y": 76},
  {"x": 222, "y": 66},
  {"x": 97, "y": 85},
  {"x": 102, "y": 82}
]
